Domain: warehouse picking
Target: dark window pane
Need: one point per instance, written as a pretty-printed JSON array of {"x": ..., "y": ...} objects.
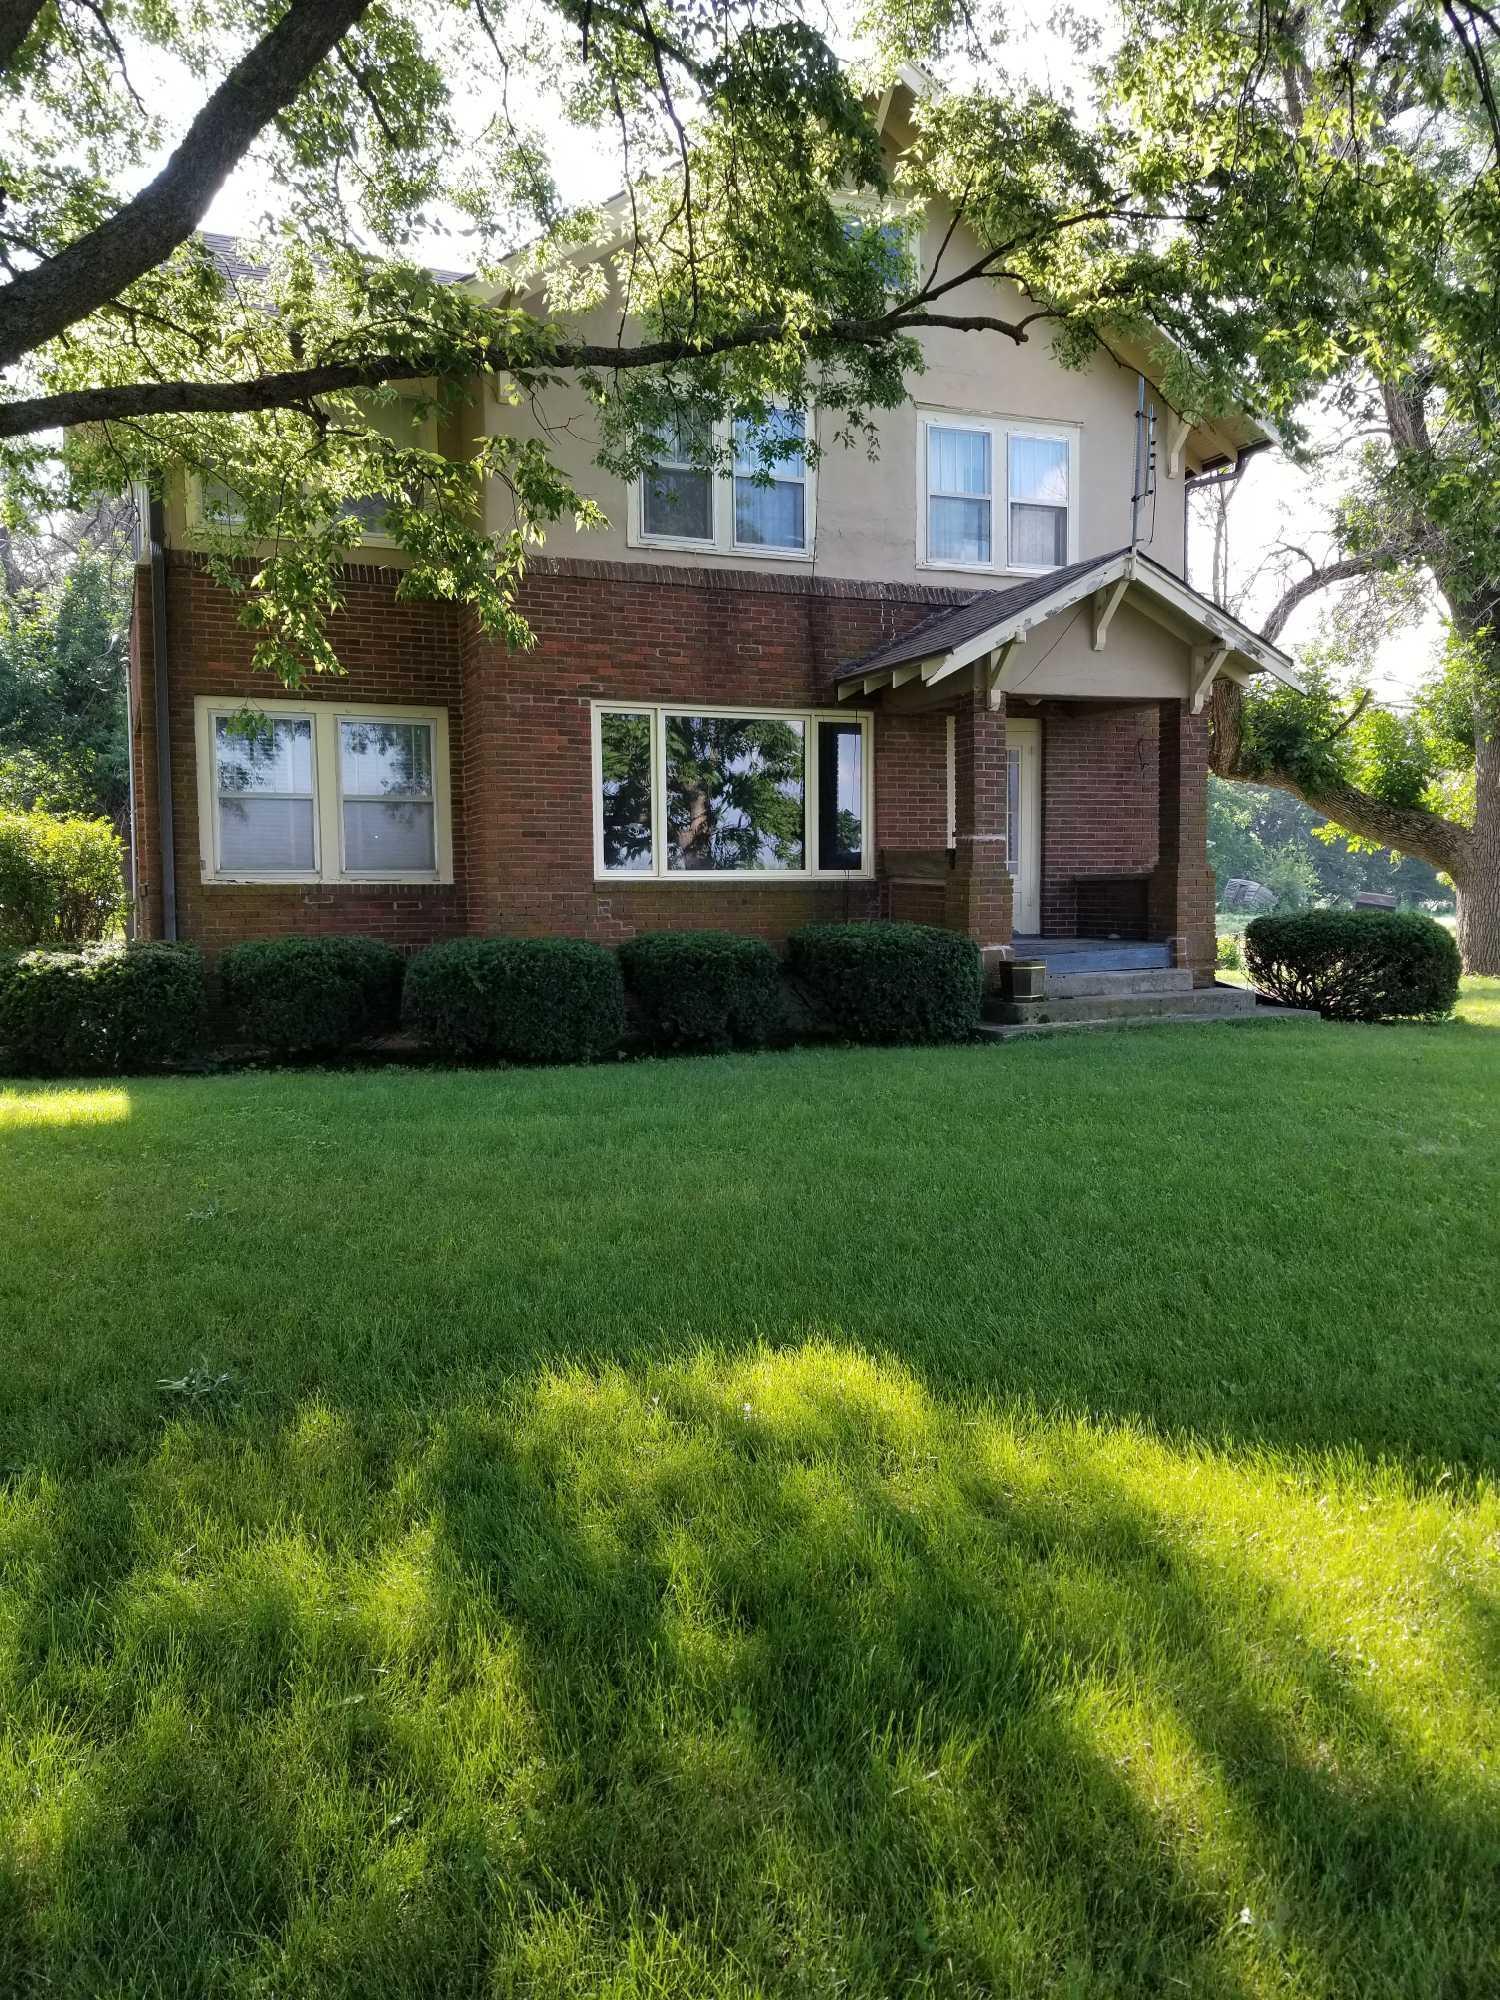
[
  {"x": 625, "y": 759},
  {"x": 841, "y": 795},
  {"x": 734, "y": 793},
  {"x": 678, "y": 504}
]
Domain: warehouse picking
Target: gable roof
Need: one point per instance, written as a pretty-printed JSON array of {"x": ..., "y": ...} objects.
[
  {"x": 225, "y": 252},
  {"x": 956, "y": 636}
]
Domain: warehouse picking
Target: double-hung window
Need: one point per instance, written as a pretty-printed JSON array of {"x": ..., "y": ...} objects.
[
  {"x": 761, "y": 795},
  {"x": 997, "y": 495},
  {"x": 317, "y": 793},
  {"x": 755, "y": 500},
  {"x": 770, "y": 485},
  {"x": 677, "y": 489}
]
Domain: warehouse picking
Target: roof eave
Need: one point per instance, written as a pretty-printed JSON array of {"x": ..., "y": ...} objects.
[{"x": 1219, "y": 629}]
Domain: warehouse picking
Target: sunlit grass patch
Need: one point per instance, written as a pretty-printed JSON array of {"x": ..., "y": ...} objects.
[{"x": 84, "y": 1104}]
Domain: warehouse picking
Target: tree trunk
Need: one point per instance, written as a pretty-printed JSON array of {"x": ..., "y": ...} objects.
[{"x": 1479, "y": 886}]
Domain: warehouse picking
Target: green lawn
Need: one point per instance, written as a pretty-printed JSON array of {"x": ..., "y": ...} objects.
[{"x": 1018, "y": 1520}]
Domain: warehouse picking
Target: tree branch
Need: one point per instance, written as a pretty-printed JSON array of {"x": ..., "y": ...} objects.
[
  {"x": 1411, "y": 829},
  {"x": 95, "y": 268},
  {"x": 17, "y": 17},
  {"x": 1319, "y": 578},
  {"x": 292, "y": 388}
]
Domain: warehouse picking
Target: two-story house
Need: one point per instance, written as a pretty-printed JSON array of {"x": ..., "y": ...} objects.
[{"x": 962, "y": 684}]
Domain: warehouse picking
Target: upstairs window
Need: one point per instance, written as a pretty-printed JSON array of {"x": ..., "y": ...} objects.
[
  {"x": 760, "y": 504},
  {"x": 770, "y": 484},
  {"x": 677, "y": 495},
  {"x": 1038, "y": 502},
  {"x": 960, "y": 495},
  {"x": 996, "y": 495}
]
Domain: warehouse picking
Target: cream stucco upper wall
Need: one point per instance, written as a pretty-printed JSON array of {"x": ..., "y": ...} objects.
[{"x": 868, "y": 510}]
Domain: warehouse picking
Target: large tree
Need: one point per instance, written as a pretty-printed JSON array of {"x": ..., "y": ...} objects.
[
  {"x": 1275, "y": 210},
  {"x": 1363, "y": 144}
]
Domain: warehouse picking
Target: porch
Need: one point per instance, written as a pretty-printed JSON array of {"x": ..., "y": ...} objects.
[{"x": 1074, "y": 761}]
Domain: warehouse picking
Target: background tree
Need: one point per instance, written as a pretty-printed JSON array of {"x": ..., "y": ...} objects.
[
  {"x": 1363, "y": 146},
  {"x": 64, "y": 609}
]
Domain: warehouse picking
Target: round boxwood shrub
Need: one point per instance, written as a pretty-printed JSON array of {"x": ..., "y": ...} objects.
[
  {"x": 704, "y": 989},
  {"x": 102, "y": 1011},
  {"x": 889, "y": 982},
  {"x": 310, "y": 995},
  {"x": 1356, "y": 965},
  {"x": 523, "y": 1000}
]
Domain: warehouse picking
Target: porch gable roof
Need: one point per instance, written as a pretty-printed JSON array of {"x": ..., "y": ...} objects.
[{"x": 993, "y": 619}]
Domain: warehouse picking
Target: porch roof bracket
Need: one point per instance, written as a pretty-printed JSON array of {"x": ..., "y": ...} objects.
[
  {"x": 1206, "y": 665},
  {"x": 1178, "y": 429},
  {"x": 1106, "y": 604},
  {"x": 996, "y": 664}
]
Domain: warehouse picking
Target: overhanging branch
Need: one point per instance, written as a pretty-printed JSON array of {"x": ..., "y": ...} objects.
[
  {"x": 42, "y": 302},
  {"x": 292, "y": 388}
]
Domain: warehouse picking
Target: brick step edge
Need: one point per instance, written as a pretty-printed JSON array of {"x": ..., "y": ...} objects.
[
  {"x": 1108, "y": 985},
  {"x": 1207, "y": 1000}
]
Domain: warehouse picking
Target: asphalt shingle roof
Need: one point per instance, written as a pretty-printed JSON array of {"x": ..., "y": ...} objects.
[{"x": 952, "y": 626}]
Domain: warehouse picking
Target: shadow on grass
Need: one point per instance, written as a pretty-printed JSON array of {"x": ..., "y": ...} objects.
[{"x": 764, "y": 1675}]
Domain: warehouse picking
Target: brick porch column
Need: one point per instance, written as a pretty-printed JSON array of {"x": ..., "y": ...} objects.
[
  {"x": 1180, "y": 898},
  {"x": 977, "y": 897}
]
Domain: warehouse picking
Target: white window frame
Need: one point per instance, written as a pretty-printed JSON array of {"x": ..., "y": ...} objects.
[
  {"x": 722, "y": 541},
  {"x": 328, "y": 800},
  {"x": 658, "y": 874},
  {"x": 1000, "y": 431},
  {"x": 200, "y": 524}
]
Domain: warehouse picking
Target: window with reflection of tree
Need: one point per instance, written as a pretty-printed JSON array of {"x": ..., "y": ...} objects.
[
  {"x": 738, "y": 793},
  {"x": 735, "y": 790},
  {"x": 625, "y": 782},
  {"x": 385, "y": 786}
]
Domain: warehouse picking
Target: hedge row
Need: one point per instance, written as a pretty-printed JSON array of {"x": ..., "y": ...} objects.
[{"x": 544, "y": 1000}]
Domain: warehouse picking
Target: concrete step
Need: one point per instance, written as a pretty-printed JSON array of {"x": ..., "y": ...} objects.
[
  {"x": 1002, "y": 1032},
  {"x": 1206, "y": 1002},
  {"x": 1115, "y": 985}
]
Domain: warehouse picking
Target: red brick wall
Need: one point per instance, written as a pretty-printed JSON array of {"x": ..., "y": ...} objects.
[
  {"x": 400, "y": 653},
  {"x": 911, "y": 781},
  {"x": 519, "y": 730},
  {"x": 519, "y": 739},
  {"x": 643, "y": 632},
  {"x": 1098, "y": 803}
]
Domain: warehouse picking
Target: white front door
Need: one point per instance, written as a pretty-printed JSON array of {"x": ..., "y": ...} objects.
[{"x": 1023, "y": 824}]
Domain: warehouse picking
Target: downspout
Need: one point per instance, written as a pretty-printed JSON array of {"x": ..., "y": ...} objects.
[{"x": 163, "y": 722}]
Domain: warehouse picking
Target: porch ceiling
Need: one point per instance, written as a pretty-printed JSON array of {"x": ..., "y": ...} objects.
[{"x": 986, "y": 630}]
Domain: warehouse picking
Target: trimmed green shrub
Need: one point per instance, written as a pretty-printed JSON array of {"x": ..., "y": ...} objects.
[
  {"x": 102, "y": 1011},
  {"x": 524, "y": 1000},
  {"x": 1356, "y": 965},
  {"x": 311, "y": 995},
  {"x": 62, "y": 881},
  {"x": 705, "y": 989},
  {"x": 1227, "y": 952},
  {"x": 890, "y": 982}
]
